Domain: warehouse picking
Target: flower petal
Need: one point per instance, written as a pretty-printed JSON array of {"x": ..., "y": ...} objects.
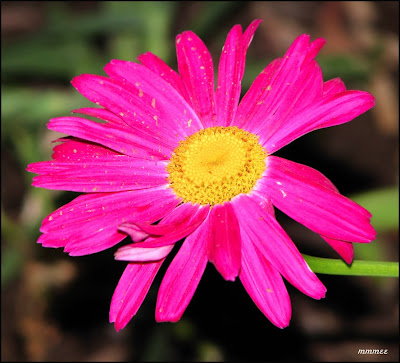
[
  {"x": 74, "y": 149},
  {"x": 314, "y": 49},
  {"x": 197, "y": 72},
  {"x": 343, "y": 248},
  {"x": 133, "y": 105},
  {"x": 223, "y": 248},
  {"x": 333, "y": 86},
  {"x": 331, "y": 110},
  {"x": 133, "y": 231},
  {"x": 181, "y": 215},
  {"x": 114, "y": 137},
  {"x": 231, "y": 70},
  {"x": 173, "y": 227},
  {"x": 102, "y": 114},
  {"x": 163, "y": 100},
  {"x": 135, "y": 254},
  {"x": 276, "y": 246},
  {"x": 159, "y": 67},
  {"x": 117, "y": 173},
  {"x": 299, "y": 94},
  {"x": 264, "y": 284},
  {"x": 131, "y": 290},
  {"x": 89, "y": 223},
  {"x": 286, "y": 85},
  {"x": 249, "y": 106},
  {"x": 305, "y": 195},
  {"x": 182, "y": 276}
]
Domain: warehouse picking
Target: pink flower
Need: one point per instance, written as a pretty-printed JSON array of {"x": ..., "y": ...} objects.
[{"x": 175, "y": 150}]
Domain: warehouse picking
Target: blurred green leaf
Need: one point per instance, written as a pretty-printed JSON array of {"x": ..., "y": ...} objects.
[
  {"x": 65, "y": 46},
  {"x": 124, "y": 46},
  {"x": 156, "y": 19},
  {"x": 11, "y": 257},
  {"x": 38, "y": 59},
  {"x": 23, "y": 106},
  {"x": 348, "y": 68},
  {"x": 11, "y": 262},
  {"x": 66, "y": 25},
  {"x": 157, "y": 25},
  {"x": 373, "y": 251},
  {"x": 383, "y": 204},
  {"x": 212, "y": 15}
]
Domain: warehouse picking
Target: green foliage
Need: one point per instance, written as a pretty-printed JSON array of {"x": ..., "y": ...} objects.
[
  {"x": 348, "y": 68},
  {"x": 383, "y": 204}
]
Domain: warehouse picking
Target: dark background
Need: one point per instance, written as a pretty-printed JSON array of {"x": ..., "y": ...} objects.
[{"x": 55, "y": 307}]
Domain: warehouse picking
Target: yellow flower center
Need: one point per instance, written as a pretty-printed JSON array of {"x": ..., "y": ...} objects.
[{"x": 215, "y": 164}]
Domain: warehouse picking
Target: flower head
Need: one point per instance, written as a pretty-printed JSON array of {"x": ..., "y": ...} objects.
[{"x": 176, "y": 150}]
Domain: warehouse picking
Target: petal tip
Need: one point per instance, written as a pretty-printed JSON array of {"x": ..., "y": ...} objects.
[{"x": 162, "y": 317}]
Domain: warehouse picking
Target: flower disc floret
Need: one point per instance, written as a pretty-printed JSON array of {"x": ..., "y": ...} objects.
[{"x": 216, "y": 164}]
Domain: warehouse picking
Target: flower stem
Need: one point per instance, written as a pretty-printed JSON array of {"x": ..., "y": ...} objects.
[{"x": 357, "y": 268}]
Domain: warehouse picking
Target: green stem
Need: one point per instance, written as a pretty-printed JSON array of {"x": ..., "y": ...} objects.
[{"x": 357, "y": 268}]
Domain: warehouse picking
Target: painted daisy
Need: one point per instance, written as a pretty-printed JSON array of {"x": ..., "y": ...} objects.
[{"x": 175, "y": 158}]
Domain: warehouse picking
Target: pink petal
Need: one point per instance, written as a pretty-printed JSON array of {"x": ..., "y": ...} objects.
[
  {"x": 159, "y": 67},
  {"x": 264, "y": 284},
  {"x": 247, "y": 38},
  {"x": 305, "y": 195},
  {"x": 72, "y": 149},
  {"x": 182, "y": 276},
  {"x": 134, "y": 254},
  {"x": 276, "y": 246},
  {"x": 116, "y": 173},
  {"x": 114, "y": 137},
  {"x": 172, "y": 228},
  {"x": 162, "y": 99},
  {"x": 254, "y": 98},
  {"x": 264, "y": 202},
  {"x": 231, "y": 70},
  {"x": 131, "y": 290},
  {"x": 299, "y": 94},
  {"x": 89, "y": 223},
  {"x": 138, "y": 109},
  {"x": 343, "y": 248},
  {"x": 133, "y": 231},
  {"x": 177, "y": 224},
  {"x": 101, "y": 114},
  {"x": 180, "y": 216},
  {"x": 223, "y": 248},
  {"x": 197, "y": 72},
  {"x": 286, "y": 85},
  {"x": 228, "y": 85},
  {"x": 333, "y": 86},
  {"x": 333, "y": 109},
  {"x": 314, "y": 49}
]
